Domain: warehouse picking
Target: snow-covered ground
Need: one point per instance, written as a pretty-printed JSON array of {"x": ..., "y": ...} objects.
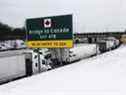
[{"x": 104, "y": 74}]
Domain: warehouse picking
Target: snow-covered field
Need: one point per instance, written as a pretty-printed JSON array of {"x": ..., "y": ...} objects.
[{"x": 104, "y": 74}]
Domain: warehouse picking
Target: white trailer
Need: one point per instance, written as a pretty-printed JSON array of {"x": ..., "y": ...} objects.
[
  {"x": 82, "y": 51},
  {"x": 13, "y": 65}
]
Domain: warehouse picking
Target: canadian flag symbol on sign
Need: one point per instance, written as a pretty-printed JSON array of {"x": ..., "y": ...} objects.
[{"x": 47, "y": 23}]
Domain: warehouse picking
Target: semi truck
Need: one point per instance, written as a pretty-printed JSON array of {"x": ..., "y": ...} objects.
[{"x": 21, "y": 63}]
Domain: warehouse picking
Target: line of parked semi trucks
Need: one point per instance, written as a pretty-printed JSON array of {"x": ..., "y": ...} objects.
[{"x": 26, "y": 62}]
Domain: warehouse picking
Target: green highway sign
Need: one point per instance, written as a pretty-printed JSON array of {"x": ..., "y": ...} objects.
[{"x": 50, "y": 32}]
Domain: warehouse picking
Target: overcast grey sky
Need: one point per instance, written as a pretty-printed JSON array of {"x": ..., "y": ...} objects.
[{"x": 89, "y": 15}]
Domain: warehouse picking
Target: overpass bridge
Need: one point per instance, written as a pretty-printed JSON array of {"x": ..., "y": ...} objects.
[{"x": 95, "y": 37}]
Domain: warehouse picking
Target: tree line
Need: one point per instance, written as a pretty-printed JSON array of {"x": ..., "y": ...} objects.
[{"x": 9, "y": 33}]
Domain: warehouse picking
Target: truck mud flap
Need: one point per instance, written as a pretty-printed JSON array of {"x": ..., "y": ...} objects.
[{"x": 28, "y": 66}]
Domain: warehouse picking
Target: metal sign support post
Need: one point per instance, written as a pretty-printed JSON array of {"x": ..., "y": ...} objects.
[
  {"x": 39, "y": 63},
  {"x": 60, "y": 54}
]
